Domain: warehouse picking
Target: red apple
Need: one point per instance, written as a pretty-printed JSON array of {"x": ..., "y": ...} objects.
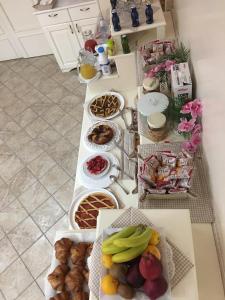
[{"x": 150, "y": 267}]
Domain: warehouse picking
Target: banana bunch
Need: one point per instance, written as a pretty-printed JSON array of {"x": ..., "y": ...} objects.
[{"x": 127, "y": 244}]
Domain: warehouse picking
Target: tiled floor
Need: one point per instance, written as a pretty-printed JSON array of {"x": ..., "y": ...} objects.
[{"x": 40, "y": 122}]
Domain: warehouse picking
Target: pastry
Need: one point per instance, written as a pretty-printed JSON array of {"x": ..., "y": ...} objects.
[
  {"x": 101, "y": 134},
  {"x": 87, "y": 212},
  {"x": 61, "y": 296},
  {"x": 57, "y": 277},
  {"x": 81, "y": 296},
  {"x": 78, "y": 253},
  {"x": 89, "y": 249},
  {"x": 74, "y": 279},
  {"x": 62, "y": 250},
  {"x": 105, "y": 106}
]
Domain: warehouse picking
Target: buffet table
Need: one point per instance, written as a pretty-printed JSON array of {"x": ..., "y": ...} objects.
[{"x": 206, "y": 262}]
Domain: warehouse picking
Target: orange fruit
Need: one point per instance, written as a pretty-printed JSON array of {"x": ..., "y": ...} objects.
[
  {"x": 107, "y": 261},
  {"x": 154, "y": 251},
  {"x": 155, "y": 238},
  {"x": 109, "y": 285}
]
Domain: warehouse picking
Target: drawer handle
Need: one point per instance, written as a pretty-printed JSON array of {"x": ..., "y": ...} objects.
[
  {"x": 77, "y": 27},
  {"x": 53, "y": 15},
  {"x": 71, "y": 29},
  {"x": 84, "y": 9}
]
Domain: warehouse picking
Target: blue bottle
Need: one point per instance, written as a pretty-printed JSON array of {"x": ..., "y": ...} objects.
[
  {"x": 115, "y": 20},
  {"x": 149, "y": 14},
  {"x": 134, "y": 16}
]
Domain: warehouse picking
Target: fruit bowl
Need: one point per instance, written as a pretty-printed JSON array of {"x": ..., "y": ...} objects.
[{"x": 128, "y": 273}]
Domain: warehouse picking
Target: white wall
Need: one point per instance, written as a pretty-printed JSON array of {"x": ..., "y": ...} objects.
[{"x": 201, "y": 25}]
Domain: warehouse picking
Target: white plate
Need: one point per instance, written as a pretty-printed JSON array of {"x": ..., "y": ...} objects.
[
  {"x": 85, "y": 235},
  {"x": 151, "y": 103},
  {"x": 100, "y": 182},
  {"x": 167, "y": 262},
  {"x": 97, "y": 176},
  {"x": 108, "y": 146},
  {"x": 119, "y": 96},
  {"x": 75, "y": 203}
]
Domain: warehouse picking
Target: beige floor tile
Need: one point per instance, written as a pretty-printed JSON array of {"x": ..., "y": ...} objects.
[
  {"x": 41, "y": 62},
  {"x": 58, "y": 93},
  {"x": 9, "y": 130},
  {"x": 81, "y": 91},
  {"x": 6, "y": 75},
  {"x": 72, "y": 83},
  {"x": 46, "y": 85},
  {"x": 10, "y": 168},
  {"x": 10, "y": 287},
  {"x": 64, "y": 195},
  {"x": 42, "y": 251},
  {"x": 16, "y": 108},
  {"x": 61, "y": 77},
  {"x": 20, "y": 65},
  {"x": 12, "y": 215},
  {"x": 34, "y": 96},
  {"x": 77, "y": 112},
  {"x": 29, "y": 152},
  {"x": 41, "y": 107},
  {"x": 5, "y": 153},
  {"x": 4, "y": 119},
  {"x": 24, "y": 235},
  {"x": 53, "y": 114},
  {"x": 7, "y": 254},
  {"x": 36, "y": 127},
  {"x": 18, "y": 85},
  {"x": 69, "y": 163},
  {"x": 65, "y": 124},
  {"x": 47, "y": 214},
  {"x": 73, "y": 135},
  {"x": 41, "y": 165},
  {"x": 54, "y": 179},
  {"x": 32, "y": 292},
  {"x": 48, "y": 138},
  {"x": 21, "y": 182},
  {"x": 51, "y": 68},
  {"x": 70, "y": 100},
  {"x": 41, "y": 278},
  {"x": 6, "y": 195},
  {"x": 61, "y": 225},
  {"x": 26, "y": 117},
  {"x": 58, "y": 150},
  {"x": 2, "y": 233},
  {"x": 34, "y": 196},
  {"x": 7, "y": 97},
  {"x": 18, "y": 140}
]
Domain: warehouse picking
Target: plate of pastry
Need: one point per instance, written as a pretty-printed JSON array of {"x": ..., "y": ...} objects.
[
  {"x": 106, "y": 106},
  {"x": 69, "y": 271},
  {"x": 102, "y": 136},
  {"x": 95, "y": 170},
  {"x": 85, "y": 207}
]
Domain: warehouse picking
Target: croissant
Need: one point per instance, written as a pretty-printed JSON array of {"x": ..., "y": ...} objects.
[
  {"x": 61, "y": 296},
  {"x": 57, "y": 277},
  {"x": 78, "y": 253},
  {"x": 74, "y": 279},
  {"x": 81, "y": 296},
  {"x": 89, "y": 249},
  {"x": 62, "y": 249}
]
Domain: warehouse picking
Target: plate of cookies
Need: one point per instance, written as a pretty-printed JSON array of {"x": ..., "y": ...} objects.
[
  {"x": 69, "y": 271},
  {"x": 106, "y": 106},
  {"x": 102, "y": 136}
]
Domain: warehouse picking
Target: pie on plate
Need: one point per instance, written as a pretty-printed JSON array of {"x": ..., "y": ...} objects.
[
  {"x": 87, "y": 211},
  {"x": 101, "y": 134},
  {"x": 105, "y": 106}
]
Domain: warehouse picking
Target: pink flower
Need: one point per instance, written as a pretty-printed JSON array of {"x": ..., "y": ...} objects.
[
  {"x": 158, "y": 68},
  {"x": 150, "y": 73},
  {"x": 196, "y": 108},
  {"x": 197, "y": 129},
  {"x": 196, "y": 139},
  {"x": 168, "y": 64},
  {"x": 188, "y": 146},
  {"x": 186, "y": 126},
  {"x": 186, "y": 108}
]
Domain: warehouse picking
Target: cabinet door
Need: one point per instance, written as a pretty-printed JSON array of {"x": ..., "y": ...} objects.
[
  {"x": 65, "y": 44},
  {"x": 85, "y": 25}
]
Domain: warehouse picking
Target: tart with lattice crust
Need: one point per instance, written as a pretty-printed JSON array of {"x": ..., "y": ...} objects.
[{"x": 87, "y": 212}]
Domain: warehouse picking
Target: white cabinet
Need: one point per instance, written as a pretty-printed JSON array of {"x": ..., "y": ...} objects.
[
  {"x": 89, "y": 25},
  {"x": 64, "y": 28},
  {"x": 64, "y": 43}
]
